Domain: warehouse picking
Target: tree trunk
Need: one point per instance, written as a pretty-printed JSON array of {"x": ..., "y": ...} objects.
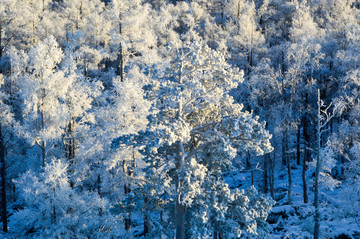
[
  {"x": 248, "y": 165},
  {"x": 99, "y": 192},
  {"x": 53, "y": 208},
  {"x": 284, "y": 147},
  {"x": 265, "y": 173},
  {"x": 272, "y": 176},
  {"x": 303, "y": 175},
  {"x": 43, "y": 143},
  {"x": 317, "y": 173},
  {"x": 3, "y": 182},
  {"x": 298, "y": 146},
  {"x": 180, "y": 218},
  {"x": 70, "y": 150},
  {"x": 147, "y": 223},
  {"x": 179, "y": 206},
  {"x": 306, "y": 150},
  {"x": 127, "y": 190},
  {"x": 42, "y": 116},
  {"x": 286, "y": 159},
  {"x": 121, "y": 67},
  {"x": 289, "y": 178}
]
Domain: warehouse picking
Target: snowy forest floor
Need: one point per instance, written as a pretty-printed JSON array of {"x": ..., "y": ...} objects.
[{"x": 339, "y": 214}]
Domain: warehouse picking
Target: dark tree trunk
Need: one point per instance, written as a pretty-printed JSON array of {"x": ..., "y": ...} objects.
[
  {"x": 147, "y": 223},
  {"x": 306, "y": 150},
  {"x": 42, "y": 145},
  {"x": 180, "y": 208},
  {"x": 127, "y": 190},
  {"x": 121, "y": 67},
  {"x": 53, "y": 208},
  {"x": 3, "y": 182},
  {"x": 286, "y": 159},
  {"x": 180, "y": 218},
  {"x": 298, "y": 146},
  {"x": 272, "y": 176},
  {"x": 248, "y": 165},
  {"x": 317, "y": 174},
  {"x": 70, "y": 150},
  {"x": 289, "y": 179},
  {"x": 265, "y": 173},
  {"x": 283, "y": 148},
  {"x": 303, "y": 176}
]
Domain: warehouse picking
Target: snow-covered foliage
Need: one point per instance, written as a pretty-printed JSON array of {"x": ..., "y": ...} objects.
[
  {"x": 51, "y": 208},
  {"x": 199, "y": 129},
  {"x": 186, "y": 119}
]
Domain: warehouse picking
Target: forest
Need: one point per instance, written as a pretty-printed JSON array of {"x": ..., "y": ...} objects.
[{"x": 180, "y": 119}]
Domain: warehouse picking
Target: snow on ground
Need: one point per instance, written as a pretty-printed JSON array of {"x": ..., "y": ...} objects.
[{"x": 339, "y": 216}]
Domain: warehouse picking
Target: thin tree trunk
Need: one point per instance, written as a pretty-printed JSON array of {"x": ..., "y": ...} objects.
[
  {"x": 248, "y": 165},
  {"x": 43, "y": 143},
  {"x": 80, "y": 15},
  {"x": 70, "y": 149},
  {"x": 3, "y": 182},
  {"x": 303, "y": 175},
  {"x": 342, "y": 169},
  {"x": 306, "y": 151},
  {"x": 53, "y": 208},
  {"x": 283, "y": 147},
  {"x": 265, "y": 173},
  {"x": 272, "y": 183},
  {"x": 298, "y": 146},
  {"x": 289, "y": 178},
  {"x": 317, "y": 173},
  {"x": 42, "y": 116},
  {"x": 286, "y": 159},
  {"x": 179, "y": 206},
  {"x": 147, "y": 224},
  {"x": 127, "y": 190},
  {"x": 99, "y": 192},
  {"x": 121, "y": 66}
]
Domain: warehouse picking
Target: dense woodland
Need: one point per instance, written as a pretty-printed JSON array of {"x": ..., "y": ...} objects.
[{"x": 180, "y": 119}]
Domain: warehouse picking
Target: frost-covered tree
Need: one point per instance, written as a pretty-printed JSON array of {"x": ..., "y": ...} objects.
[
  {"x": 57, "y": 99},
  {"x": 324, "y": 158},
  {"x": 51, "y": 208},
  {"x": 246, "y": 40},
  {"x": 78, "y": 97},
  {"x": 196, "y": 125},
  {"x": 131, "y": 34},
  {"x": 43, "y": 110},
  {"x": 124, "y": 112}
]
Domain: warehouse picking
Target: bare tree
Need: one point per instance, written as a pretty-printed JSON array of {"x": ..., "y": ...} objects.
[{"x": 323, "y": 118}]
